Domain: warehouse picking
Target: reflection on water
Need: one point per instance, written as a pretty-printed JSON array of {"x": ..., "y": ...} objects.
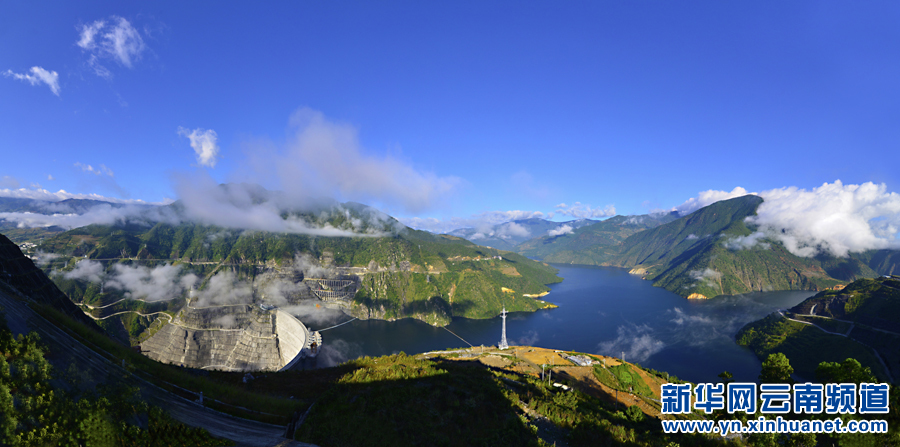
[{"x": 601, "y": 310}]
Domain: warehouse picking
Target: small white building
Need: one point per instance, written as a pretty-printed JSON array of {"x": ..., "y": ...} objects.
[{"x": 580, "y": 360}]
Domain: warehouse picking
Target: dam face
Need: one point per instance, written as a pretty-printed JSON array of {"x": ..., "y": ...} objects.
[
  {"x": 249, "y": 337},
  {"x": 231, "y": 338},
  {"x": 292, "y": 336}
]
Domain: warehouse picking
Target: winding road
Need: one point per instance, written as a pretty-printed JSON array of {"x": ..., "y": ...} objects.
[
  {"x": 64, "y": 350},
  {"x": 874, "y": 351}
]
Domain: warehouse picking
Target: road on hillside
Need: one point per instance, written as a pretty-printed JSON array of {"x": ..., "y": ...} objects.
[{"x": 65, "y": 350}]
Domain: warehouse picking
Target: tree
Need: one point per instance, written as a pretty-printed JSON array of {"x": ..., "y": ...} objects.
[
  {"x": 776, "y": 369},
  {"x": 634, "y": 413},
  {"x": 848, "y": 371},
  {"x": 726, "y": 377}
]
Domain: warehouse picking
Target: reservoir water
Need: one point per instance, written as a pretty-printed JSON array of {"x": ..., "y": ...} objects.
[{"x": 601, "y": 310}]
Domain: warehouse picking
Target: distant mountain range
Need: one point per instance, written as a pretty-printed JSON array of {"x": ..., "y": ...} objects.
[
  {"x": 694, "y": 255},
  {"x": 398, "y": 272},
  {"x": 509, "y": 235},
  {"x": 592, "y": 244},
  {"x": 698, "y": 255}
]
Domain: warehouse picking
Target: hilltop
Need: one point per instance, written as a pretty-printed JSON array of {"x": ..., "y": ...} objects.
[
  {"x": 706, "y": 253},
  {"x": 511, "y": 235},
  {"x": 479, "y": 395},
  {"x": 593, "y": 244},
  {"x": 388, "y": 271}
]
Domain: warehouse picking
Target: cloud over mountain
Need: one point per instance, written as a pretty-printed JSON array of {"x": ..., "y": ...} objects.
[
  {"x": 562, "y": 229},
  {"x": 706, "y": 198},
  {"x": 833, "y": 218},
  {"x": 581, "y": 211},
  {"x": 482, "y": 222},
  {"x": 43, "y": 194},
  {"x": 323, "y": 158}
]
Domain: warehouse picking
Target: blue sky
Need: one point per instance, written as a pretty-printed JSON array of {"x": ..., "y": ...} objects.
[{"x": 452, "y": 109}]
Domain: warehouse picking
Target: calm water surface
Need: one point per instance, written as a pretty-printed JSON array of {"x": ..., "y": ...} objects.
[{"x": 601, "y": 310}]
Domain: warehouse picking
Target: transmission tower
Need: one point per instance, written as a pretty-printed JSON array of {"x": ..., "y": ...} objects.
[{"x": 503, "y": 344}]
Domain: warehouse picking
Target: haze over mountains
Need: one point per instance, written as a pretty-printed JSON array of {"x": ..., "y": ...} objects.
[
  {"x": 508, "y": 235},
  {"x": 785, "y": 239},
  {"x": 240, "y": 244},
  {"x": 724, "y": 248}
]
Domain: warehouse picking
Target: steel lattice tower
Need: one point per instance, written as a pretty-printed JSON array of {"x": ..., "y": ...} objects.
[{"x": 503, "y": 344}]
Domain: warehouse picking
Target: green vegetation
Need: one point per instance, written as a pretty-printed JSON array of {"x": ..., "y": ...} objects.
[
  {"x": 595, "y": 244},
  {"x": 218, "y": 388},
  {"x": 622, "y": 377},
  {"x": 35, "y": 412},
  {"x": 392, "y": 400},
  {"x": 413, "y": 274},
  {"x": 404, "y": 400},
  {"x": 776, "y": 369},
  {"x": 870, "y": 306},
  {"x": 804, "y": 344},
  {"x": 848, "y": 371},
  {"x": 696, "y": 254}
]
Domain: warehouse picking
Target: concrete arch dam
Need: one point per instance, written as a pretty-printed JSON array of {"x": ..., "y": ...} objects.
[{"x": 232, "y": 338}]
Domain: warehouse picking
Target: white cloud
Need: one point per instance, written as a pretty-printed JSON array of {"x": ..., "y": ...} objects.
[
  {"x": 585, "y": 211},
  {"x": 101, "y": 214},
  {"x": 38, "y": 76},
  {"x": 42, "y": 258},
  {"x": 241, "y": 206},
  {"x": 562, "y": 229},
  {"x": 101, "y": 170},
  {"x": 250, "y": 207},
  {"x": 510, "y": 230},
  {"x": 99, "y": 69},
  {"x": 223, "y": 288},
  {"x": 87, "y": 270},
  {"x": 324, "y": 159},
  {"x": 746, "y": 242},
  {"x": 833, "y": 218},
  {"x": 204, "y": 143},
  {"x": 88, "y": 32},
  {"x": 682, "y": 317},
  {"x": 160, "y": 283},
  {"x": 709, "y": 197},
  {"x": 50, "y": 177},
  {"x": 117, "y": 40},
  {"x": 482, "y": 222},
  {"x": 43, "y": 194},
  {"x": 707, "y": 275}
]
